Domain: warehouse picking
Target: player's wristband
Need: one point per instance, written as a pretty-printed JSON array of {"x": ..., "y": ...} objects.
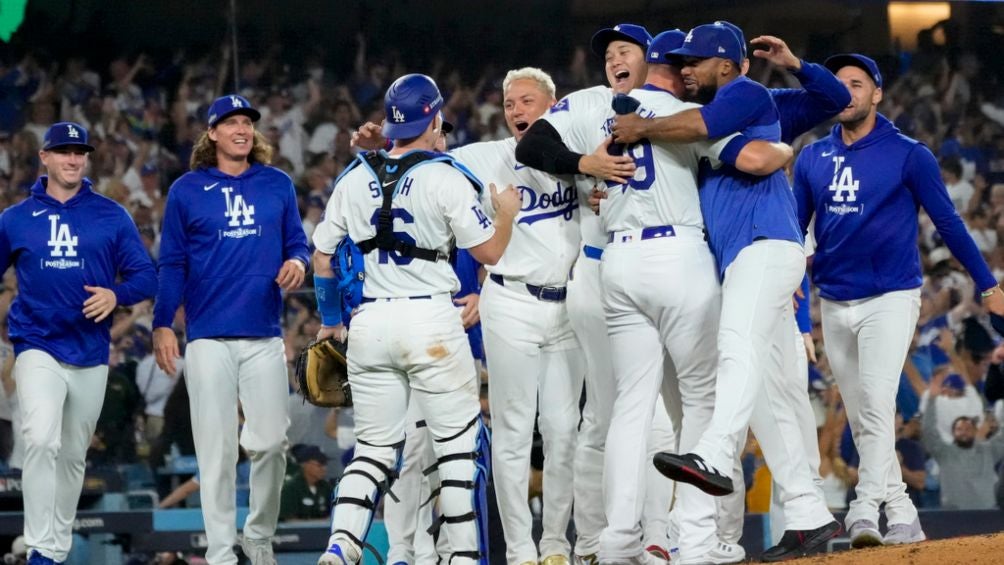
[
  {"x": 731, "y": 151},
  {"x": 990, "y": 291},
  {"x": 328, "y": 300}
]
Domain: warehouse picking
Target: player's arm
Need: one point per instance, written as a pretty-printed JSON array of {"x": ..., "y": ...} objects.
[
  {"x": 822, "y": 95},
  {"x": 136, "y": 269},
  {"x": 759, "y": 157},
  {"x": 173, "y": 266},
  {"x": 805, "y": 205},
  {"x": 328, "y": 234},
  {"x": 506, "y": 204},
  {"x": 543, "y": 149},
  {"x": 4, "y": 244},
  {"x": 295, "y": 251},
  {"x": 929, "y": 423},
  {"x": 922, "y": 176}
]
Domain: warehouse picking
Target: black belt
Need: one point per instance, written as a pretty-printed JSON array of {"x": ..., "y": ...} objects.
[
  {"x": 545, "y": 293},
  {"x": 366, "y": 300}
]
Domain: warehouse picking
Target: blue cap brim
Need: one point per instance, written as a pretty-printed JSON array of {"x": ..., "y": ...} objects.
[
  {"x": 87, "y": 147},
  {"x": 605, "y": 37},
  {"x": 255, "y": 115},
  {"x": 685, "y": 51}
]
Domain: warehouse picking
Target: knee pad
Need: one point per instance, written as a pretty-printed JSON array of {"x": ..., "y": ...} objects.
[
  {"x": 368, "y": 477},
  {"x": 464, "y": 464}
]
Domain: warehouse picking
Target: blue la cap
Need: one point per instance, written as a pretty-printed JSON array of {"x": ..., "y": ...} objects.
[
  {"x": 229, "y": 105},
  {"x": 711, "y": 40},
  {"x": 866, "y": 64},
  {"x": 662, "y": 44},
  {"x": 954, "y": 381},
  {"x": 411, "y": 102},
  {"x": 311, "y": 453},
  {"x": 739, "y": 34},
  {"x": 66, "y": 134},
  {"x": 621, "y": 32}
]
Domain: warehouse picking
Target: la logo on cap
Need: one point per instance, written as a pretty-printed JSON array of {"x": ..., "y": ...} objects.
[
  {"x": 236, "y": 102},
  {"x": 72, "y": 132},
  {"x": 690, "y": 35}
]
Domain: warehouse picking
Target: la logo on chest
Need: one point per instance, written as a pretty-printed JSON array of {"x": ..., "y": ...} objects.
[
  {"x": 238, "y": 211},
  {"x": 843, "y": 185},
  {"x": 61, "y": 242}
]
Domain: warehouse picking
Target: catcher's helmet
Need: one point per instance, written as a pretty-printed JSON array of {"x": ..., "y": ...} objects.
[{"x": 411, "y": 102}]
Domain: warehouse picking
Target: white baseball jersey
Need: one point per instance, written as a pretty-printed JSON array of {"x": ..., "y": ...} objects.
[
  {"x": 663, "y": 190},
  {"x": 562, "y": 116},
  {"x": 545, "y": 237},
  {"x": 434, "y": 204}
]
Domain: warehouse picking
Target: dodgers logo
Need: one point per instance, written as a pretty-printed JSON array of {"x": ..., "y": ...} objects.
[
  {"x": 64, "y": 246},
  {"x": 562, "y": 202},
  {"x": 396, "y": 115},
  {"x": 72, "y": 132},
  {"x": 236, "y": 102},
  {"x": 240, "y": 214},
  {"x": 561, "y": 106},
  {"x": 845, "y": 184}
]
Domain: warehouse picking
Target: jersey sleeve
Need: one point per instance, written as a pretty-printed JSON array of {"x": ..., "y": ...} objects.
[
  {"x": 172, "y": 260},
  {"x": 333, "y": 227},
  {"x": 573, "y": 117},
  {"x": 464, "y": 213},
  {"x": 294, "y": 238},
  {"x": 4, "y": 242},
  {"x": 735, "y": 108},
  {"x": 805, "y": 205},
  {"x": 139, "y": 277}
]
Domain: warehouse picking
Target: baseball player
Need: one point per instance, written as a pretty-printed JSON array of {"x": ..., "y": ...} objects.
[
  {"x": 232, "y": 240},
  {"x": 822, "y": 97},
  {"x": 405, "y": 208},
  {"x": 863, "y": 184},
  {"x": 623, "y": 47},
  {"x": 532, "y": 353},
  {"x": 655, "y": 227},
  {"x": 69, "y": 246},
  {"x": 758, "y": 249}
]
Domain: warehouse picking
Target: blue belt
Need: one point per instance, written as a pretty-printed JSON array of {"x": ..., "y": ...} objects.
[
  {"x": 545, "y": 293},
  {"x": 592, "y": 252},
  {"x": 367, "y": 300},
  {"x": 646, "y": 233}
]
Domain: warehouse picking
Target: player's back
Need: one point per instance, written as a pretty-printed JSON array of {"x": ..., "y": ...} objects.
[{"x": 435, "y": 205}]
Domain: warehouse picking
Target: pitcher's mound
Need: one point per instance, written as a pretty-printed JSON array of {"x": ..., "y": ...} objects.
[{"x": 971, "y": 550}]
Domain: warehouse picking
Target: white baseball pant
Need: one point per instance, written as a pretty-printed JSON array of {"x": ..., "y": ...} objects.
[
  {"x": 651, "y": 311},
  {"x": 585, "y": 312},
  {"x": 754, "y": 341},
  {"x": 533, "y": 362},
  {"x": 219, "y": 374},
  {"x": 406, "y": 519},
  {"x": 399, "y": 348},
  {"x": 866, "y": 343},
  {"x": 60, "y": 405}
]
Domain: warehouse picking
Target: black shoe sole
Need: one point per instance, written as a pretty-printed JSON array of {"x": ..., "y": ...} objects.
[
  {"x": 671, "y": 466},
  {"x": 813, "y": 540}
]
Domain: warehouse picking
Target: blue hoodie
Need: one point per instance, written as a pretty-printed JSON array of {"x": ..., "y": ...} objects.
[
  {"x": 865, "y": 197},
  {"x": 224, "y": 241},
  {"x": 56, "y": 249}
]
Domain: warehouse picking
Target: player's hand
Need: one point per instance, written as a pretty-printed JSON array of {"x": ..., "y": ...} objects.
[
  {"x": 595, "y": 197},
  {"x": 470, "y": 315},
  {"x": 291, "y": 274},
  {"x": 629, "y": 128},
  {"x": 506, "y": 203},
  {"x": 100, "y": 304},
  {"x": 937, "y": 380},
  {"x": 339, "y": 332},
  {"x": 810, "y": 347},
  {"x": 369, "y": 136},
  {"x": 995, "y": 302},
  {"x": 604, "y": 166},
  {"x": 776, "y": 51},
  {"x": 165, "y": 349}
]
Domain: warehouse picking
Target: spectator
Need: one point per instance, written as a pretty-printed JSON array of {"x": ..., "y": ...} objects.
[
  {"x": 968, "y": 460},
  {"x": 306, "y": 495},
  {"x": 911, "y": 457}
]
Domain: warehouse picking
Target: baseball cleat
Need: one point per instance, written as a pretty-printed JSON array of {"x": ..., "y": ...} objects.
[
  {"x": 691, "y": 468},
  {"x": 797, "y": 543},
  {"x": 899, "y": 534},
  {"x": 724, "y": 553},
  {"x": 259, "y": 551},
  {"x": 864, "y": 533}
]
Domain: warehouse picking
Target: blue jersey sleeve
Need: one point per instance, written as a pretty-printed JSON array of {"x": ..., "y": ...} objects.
[
  {"x": 294, "y": 238},
  {"x": 821, "y": 97},
  {"x": 923, "y": 177},
  {"x": 139, "y": 278},
  {"x": 173, "y": 262},
  {"x": 738, "y": 105},
  {"x": 4, "y": 243},
  {"x": 802, "y": 314},
  {"x": 805, "y": 206}
]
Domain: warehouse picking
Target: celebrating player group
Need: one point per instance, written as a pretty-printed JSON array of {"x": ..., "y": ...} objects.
[{"x": 640, "y": 242}]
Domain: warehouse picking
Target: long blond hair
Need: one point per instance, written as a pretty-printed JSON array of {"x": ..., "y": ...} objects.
[{"x": 204, "y": 152}]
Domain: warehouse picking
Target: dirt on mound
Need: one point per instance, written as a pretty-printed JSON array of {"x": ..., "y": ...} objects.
[{"x": 971, "y": 550}]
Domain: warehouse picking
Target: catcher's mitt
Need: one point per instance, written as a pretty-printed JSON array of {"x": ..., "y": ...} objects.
[{"x": 322, "y": 373}]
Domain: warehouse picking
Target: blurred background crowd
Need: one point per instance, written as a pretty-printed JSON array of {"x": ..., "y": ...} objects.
[{"x": 145, "y": 110}]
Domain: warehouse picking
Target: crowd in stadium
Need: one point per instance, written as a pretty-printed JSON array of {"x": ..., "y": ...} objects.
[{"x": 144, "y": 116}]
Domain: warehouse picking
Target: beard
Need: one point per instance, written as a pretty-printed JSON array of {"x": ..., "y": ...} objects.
[
  {"x": 965, "y": 443},
  {"x": 704, "y": 94}
]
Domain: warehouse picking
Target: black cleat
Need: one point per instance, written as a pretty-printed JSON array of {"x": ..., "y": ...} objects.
[
  {"x": 798, "y": 543},
  {"x": 690, "y": 468}
]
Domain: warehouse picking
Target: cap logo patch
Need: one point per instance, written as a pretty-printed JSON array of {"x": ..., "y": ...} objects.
[
  {"x": 72, "y": 132},
  {"x": 236, "y": 102},
  {"x": 396, "y": 115}
]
